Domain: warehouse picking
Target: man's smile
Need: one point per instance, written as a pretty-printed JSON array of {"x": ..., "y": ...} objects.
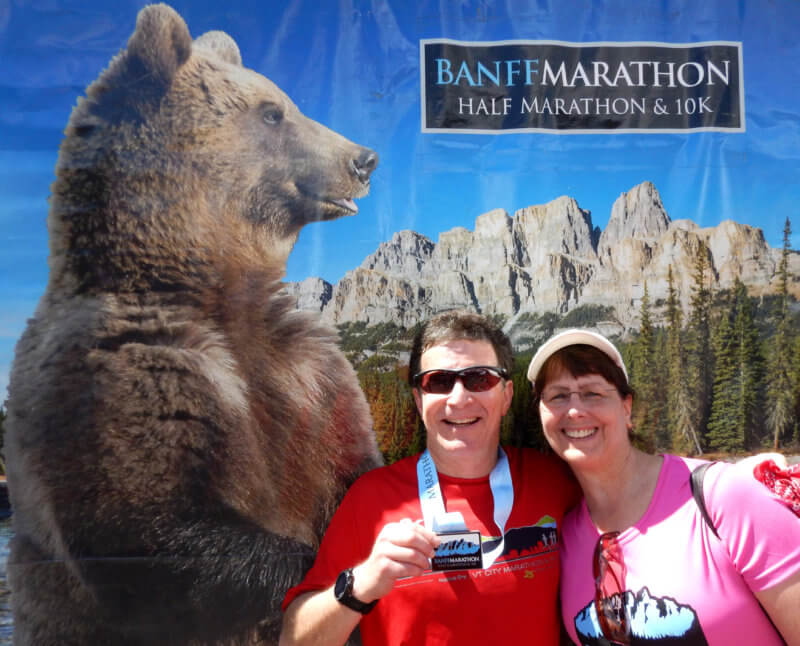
[{"x": 462, "y": 421}]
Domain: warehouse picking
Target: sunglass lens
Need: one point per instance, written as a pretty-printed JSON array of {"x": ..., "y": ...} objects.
[
  {"x": 479, "y": 380},
  {"x": 609, "y": 573},
  {"x": 612, "y": 621},
  {"x": 438, "y": 383}
]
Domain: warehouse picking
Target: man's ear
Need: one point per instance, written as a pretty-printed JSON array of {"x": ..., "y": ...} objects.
[
  {"x": 508, "y": 395},
  {"x": 417, "y": 399}
]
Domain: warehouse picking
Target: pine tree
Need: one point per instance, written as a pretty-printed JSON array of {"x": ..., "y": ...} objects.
[
  {"x": 698, "y": 349},
  {"x": 644, "y": 379},
  {"x": 780, "y": 396},
  {"x": 662, "y": 426},
  {"x": 750, "y": 369},
  {"x": 683, "y": 435},
  {"x": 796, "y": 390},
  {"x": 734, "y": 423},
  {"x": 724, "y": 433}
]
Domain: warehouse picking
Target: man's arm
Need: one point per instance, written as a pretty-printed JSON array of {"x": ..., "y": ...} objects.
[{"x": 317, "y": 619}]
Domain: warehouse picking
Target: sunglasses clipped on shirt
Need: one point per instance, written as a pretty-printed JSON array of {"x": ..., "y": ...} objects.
[
  {"x": 609, "y": 584},
  {"x": 476, "y": 379}
]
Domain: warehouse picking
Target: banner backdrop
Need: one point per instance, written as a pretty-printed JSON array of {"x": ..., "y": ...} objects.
[
  {"x": 547, "y": 163},
  {"x": 356, "y": 67}
]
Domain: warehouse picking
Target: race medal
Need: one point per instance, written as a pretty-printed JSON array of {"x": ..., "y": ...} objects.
[
  {"x": 461, "y": 548},
  {"x": 458, "y": 551}
]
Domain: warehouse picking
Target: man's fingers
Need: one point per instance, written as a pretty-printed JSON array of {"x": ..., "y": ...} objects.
[
  {"x": 406, "y": 555},
  {"x": 409, "y": 535}
]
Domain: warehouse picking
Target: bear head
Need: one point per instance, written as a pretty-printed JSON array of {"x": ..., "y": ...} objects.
[{"x": 180, "y": 161}]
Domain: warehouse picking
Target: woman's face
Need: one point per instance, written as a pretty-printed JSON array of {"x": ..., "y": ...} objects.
[{"x": 585, "y": 419}]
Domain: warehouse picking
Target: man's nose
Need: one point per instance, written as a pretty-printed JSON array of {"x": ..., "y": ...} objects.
[{"x": 458, "y": 392}]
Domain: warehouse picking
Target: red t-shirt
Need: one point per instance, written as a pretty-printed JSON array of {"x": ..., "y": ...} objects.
[{"x": 513, "y": 601}]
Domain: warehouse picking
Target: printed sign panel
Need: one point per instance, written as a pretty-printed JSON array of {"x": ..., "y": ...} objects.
[{"x": 569, "y": 87}]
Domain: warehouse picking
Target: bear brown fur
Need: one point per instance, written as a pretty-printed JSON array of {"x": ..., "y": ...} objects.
[{"x": 178, "y": 433}]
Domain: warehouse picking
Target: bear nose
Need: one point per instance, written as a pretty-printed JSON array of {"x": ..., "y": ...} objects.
[{"x": 364, "y": 164}]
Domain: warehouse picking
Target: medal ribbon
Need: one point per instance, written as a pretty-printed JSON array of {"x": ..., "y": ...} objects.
[{"x": 438, "y": 520}]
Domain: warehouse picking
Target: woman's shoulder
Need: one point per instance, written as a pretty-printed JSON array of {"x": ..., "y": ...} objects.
[
  {"x": 683, "y": 462},
  {"x": 723, "y": 478}
]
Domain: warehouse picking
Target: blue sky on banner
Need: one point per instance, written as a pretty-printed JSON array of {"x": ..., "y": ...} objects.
[{"x": 354, "y": 66}]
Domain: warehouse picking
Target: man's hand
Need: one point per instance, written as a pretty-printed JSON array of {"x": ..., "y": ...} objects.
[{"x": 402, "y": 549}]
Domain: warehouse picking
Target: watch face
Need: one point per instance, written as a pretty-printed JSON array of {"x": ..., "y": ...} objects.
[{"x": 342, "y": 584}]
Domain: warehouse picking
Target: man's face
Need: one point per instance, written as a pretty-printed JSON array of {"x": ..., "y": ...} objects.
[{"x": 463, "y": 426}]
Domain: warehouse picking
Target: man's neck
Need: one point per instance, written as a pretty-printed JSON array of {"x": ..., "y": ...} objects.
[{"x": 460, "y": 466}]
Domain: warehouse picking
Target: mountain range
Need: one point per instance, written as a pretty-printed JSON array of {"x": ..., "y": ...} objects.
[{"x": 548, "y": 258}]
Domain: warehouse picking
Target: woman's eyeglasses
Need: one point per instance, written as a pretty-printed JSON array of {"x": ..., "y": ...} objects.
[
  {"x": 609, "y": 589},
  {"x": 594, "y": 397},
  {"x": 476, "y": 379}
]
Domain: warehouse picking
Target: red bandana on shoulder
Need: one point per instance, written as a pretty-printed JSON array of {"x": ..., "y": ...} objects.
[{"x": 784, "y": 483}]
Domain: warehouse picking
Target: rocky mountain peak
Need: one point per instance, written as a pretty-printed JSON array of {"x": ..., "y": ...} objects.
[
  {"x": 407, "y": 252},
  {"x": 546, "y": 258},
  {"x": 637, "y": 214}
]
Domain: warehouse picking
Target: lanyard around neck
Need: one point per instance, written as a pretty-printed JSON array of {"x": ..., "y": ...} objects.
[{"x": 437, "y": 519}]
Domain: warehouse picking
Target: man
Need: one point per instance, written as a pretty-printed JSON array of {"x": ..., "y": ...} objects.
[{"x": 457, "y": 545}]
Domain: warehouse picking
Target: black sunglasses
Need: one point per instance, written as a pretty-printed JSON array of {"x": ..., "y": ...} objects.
[
  {"x": 609, "y": 584},
  {"x": 476, "y": 379}
]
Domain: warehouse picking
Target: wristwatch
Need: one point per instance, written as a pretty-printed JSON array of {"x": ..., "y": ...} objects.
[{"x": 343, "y": 591}]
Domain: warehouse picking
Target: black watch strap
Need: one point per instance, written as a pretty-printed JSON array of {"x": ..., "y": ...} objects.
[{"x": 343, "y": 591}]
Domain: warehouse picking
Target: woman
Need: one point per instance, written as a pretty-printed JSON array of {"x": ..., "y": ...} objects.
[{"x": 638, "y": 561}]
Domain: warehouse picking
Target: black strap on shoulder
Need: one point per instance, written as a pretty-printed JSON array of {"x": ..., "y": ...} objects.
[{"x": 696, "y": 483}]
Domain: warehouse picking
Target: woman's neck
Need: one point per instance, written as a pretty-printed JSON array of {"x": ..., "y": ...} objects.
[{"x": 619, "y": 495}]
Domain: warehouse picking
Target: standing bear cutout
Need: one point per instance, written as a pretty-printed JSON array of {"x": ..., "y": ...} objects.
[{"x": 178, "y": 433}]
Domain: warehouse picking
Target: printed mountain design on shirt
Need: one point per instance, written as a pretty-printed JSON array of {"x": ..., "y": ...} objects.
[
  {"x": 522, "y": 541},
  {"x": 659, "y": 621}
]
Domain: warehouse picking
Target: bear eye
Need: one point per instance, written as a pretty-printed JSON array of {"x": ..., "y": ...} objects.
[{"x": 272, "y": 114}]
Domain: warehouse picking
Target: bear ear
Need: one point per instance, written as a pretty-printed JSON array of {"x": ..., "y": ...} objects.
[
  {"x": 222, "y": 45},
  {"x": 161, "y": 42}
]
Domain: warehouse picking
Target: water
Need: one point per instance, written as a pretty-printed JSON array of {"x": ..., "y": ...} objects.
[{"x": 6, "y": 625}]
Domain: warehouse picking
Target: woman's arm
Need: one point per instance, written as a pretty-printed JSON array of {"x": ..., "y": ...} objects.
[{"x": 782, "y": 603}]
